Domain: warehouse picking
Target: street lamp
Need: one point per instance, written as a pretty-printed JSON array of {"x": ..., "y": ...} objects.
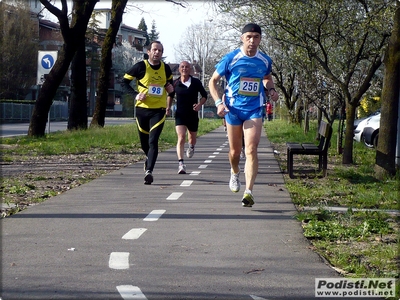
[
  {"x": 202, "y": 73},
  {"x": 205, "y": 48}
]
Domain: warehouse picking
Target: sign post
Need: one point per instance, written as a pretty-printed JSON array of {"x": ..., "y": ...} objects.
[{"x": 46, "y": 60}]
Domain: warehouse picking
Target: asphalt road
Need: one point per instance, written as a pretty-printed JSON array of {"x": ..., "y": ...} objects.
[
  {"x": 183, "y": 237},
  {"x": 16, "y": 129}
]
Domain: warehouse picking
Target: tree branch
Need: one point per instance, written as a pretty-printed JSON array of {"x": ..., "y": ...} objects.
[{"x": 178, "y": 3}]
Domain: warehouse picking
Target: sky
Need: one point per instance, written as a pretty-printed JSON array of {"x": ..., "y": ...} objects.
[{"x": 171, "y": 20}]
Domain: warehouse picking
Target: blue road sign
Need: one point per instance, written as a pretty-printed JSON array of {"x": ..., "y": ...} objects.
[{"x": 47, "y": 61}]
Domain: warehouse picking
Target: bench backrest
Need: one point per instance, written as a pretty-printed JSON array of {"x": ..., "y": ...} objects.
[{"x": 325, "y": 133}]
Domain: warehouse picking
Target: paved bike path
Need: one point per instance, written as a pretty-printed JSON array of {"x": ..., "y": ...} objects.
[{"x": 183, "y": 237}]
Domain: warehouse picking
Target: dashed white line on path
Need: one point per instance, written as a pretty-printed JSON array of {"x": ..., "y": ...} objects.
[
  {"x": 119, "y": 260},
  {"x": 211, "y": 156},
  {"x": 134, "y": 233},
  {"x": 203, "y": 166},
  {"x": 215, "y": 153},
  {"x": 187, "y": 183},
  {"x": 194, "y": 173},
  {"x": 174, "y": 196},
  {"x": 154, "y": 215},
  {"x": 257, "y": 298},
  {"x": 208, "y": 161},
  {"x": 129, "y": 292}
]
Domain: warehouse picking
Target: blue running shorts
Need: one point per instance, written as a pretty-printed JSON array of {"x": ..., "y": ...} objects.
[{"x": 237, "y": 117}]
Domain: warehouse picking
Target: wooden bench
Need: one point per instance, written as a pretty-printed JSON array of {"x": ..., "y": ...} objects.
[{"x": 325, "y": 133}]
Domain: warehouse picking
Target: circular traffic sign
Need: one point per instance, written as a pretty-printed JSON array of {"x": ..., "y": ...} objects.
[{"x": 47, "y": 61}]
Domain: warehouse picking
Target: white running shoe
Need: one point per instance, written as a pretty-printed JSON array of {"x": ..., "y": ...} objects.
[
  {"x": 234, "y": 182},
  {"x": 242, "y": 154},
  {"x": 190, "y": 152},
  {"x": 182, "y": 169}
]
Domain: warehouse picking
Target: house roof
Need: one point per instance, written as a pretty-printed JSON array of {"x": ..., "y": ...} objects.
[
  {"x": 49, "y": 24},
  {"x": 129, "y": 28}
]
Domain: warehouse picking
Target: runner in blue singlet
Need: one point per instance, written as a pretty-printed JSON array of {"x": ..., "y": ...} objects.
[{"x": 248, "y": 73}]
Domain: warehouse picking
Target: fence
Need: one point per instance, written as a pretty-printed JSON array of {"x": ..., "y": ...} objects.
[
  {"x": 22, "y": 112},
  {"x": 12, "y": 112}
]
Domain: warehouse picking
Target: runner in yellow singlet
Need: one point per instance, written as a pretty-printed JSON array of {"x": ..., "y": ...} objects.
[{"x": 154, "y": 83}]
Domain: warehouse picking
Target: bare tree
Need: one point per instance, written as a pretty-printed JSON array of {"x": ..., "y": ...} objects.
[
  {"x": 73, "y": 34},
  {"x": 117, "y": 10},
  {"x": 203, "y": 44},
  {"x": 343, "y": 38},
  {"x": 124, "y": 56}
]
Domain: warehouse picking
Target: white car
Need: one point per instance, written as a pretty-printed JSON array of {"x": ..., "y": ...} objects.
[
  {"x": 357, "y": 121},
  {"x": 369, "y": 126}
]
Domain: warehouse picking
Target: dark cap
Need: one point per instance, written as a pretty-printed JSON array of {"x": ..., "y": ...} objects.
[{"x": 251, "y": 28}]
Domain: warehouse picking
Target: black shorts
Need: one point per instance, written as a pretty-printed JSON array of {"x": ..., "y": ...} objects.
[{"x": 191, "y": 122}]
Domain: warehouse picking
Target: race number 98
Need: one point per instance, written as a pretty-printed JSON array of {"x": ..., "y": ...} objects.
[{"x": 156, "y": 90}]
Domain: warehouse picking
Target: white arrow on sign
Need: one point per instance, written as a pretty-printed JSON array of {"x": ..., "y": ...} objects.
[{"x": 48, "y": 62}]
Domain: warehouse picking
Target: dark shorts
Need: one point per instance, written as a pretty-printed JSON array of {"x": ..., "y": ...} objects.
[{"x": 191, "y": 122}]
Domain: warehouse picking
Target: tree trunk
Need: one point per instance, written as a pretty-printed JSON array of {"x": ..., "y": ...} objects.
[
  {"x": 99, "y": 113},
  {"x": 306, "y": 116},
  {"x": 82, "y": 10},
  {"x": 385, "y": 162},
  {"x": 319, "y": 119},
  {"x": 299, "y": 113},
  {"x": 78, "y": 101},
  {"x": 347, "y": 157},
  {"x": 340, "y": 131}
]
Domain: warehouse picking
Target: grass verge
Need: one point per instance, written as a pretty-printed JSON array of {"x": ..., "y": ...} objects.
[
  {"x": 112, "y": 139},
  {"x": 362, "y": 240}
]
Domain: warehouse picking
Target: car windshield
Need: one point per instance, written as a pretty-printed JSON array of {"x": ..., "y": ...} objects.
[{"x": 375, "y": 113}]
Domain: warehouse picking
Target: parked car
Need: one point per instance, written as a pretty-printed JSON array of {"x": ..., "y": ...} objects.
[
  {"x": 367, "y": 131},
  {"x": 371, "y": 133},
  {"x": 358, "y": 121}
]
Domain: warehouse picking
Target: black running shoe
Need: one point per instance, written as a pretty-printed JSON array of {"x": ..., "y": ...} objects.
[{"x": 148, "y": 178}]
